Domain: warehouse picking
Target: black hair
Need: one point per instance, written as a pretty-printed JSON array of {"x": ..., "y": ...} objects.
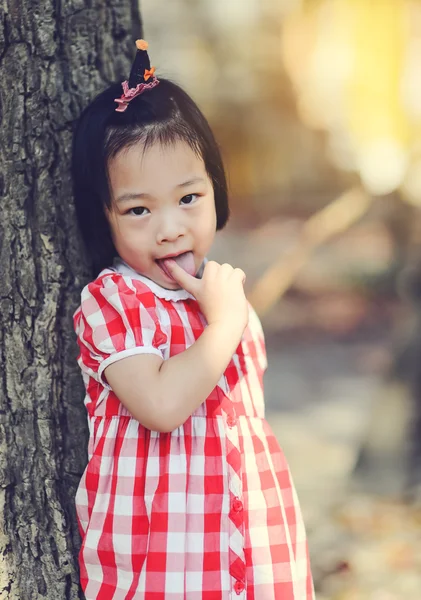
[{"x": 164, "y": 114}]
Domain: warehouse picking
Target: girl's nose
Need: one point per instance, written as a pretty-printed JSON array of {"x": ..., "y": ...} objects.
[{"x": 169, "y": 230}]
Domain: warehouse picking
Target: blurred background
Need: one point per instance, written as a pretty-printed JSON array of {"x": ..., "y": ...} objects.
[{"x": 317, "y": 108}]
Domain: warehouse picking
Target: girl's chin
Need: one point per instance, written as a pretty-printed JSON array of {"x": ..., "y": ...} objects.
[{"x": 168, "y": 285}]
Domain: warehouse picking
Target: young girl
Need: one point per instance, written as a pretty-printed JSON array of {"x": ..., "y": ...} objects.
[{"x": 187, "y": 494}]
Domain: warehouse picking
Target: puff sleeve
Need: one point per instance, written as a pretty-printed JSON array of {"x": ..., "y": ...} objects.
[{"x": 117, "y": 318}]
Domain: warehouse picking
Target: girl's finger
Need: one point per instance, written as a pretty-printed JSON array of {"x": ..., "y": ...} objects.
[
  {"x": 187, "y": 281},
  {"x": 240, "y": 273},
  {"x": 226, "y": 270},
  {"x": 211, "y": 269}
]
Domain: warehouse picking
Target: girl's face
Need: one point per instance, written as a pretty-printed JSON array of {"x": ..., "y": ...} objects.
[{"x": 162, "y": 205}]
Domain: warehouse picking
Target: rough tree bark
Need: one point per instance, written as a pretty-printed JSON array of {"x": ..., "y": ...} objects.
[{"x": 54, "y": 57}]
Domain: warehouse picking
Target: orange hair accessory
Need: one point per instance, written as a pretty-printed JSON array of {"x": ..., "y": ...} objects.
[
  {"x": 142, "y": 44},
  {"x": 148, "y": 73}
]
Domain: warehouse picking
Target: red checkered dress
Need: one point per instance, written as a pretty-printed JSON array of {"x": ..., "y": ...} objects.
[{"x": 208, "y": 511}]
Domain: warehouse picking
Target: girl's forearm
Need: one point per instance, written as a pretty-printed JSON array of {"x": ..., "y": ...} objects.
[{"x": 187, "y": 379}]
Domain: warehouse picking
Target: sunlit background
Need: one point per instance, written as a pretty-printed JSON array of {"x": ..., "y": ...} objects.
[{"x": 317, "y": 107}]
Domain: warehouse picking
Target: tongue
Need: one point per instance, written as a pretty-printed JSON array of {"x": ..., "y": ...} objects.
[{"x": 185, "y": 261}]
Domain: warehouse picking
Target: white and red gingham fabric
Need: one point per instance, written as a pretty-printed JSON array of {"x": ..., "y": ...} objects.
[{"x": 208, "y": 511}]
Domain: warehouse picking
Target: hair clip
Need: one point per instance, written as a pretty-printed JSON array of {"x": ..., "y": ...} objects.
[
  {"x": 140, "y": 73},
  {"x": 130, "y": 93}
]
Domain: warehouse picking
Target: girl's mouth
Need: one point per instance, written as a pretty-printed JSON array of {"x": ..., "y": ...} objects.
[{"x": 184, "y": 260}]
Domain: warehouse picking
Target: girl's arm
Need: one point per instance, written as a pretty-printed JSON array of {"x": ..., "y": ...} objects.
[{"x": 163, "y": 394}]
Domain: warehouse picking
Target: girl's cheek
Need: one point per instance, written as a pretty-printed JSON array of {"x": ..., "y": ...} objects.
[{"x": 137, "y": 223}]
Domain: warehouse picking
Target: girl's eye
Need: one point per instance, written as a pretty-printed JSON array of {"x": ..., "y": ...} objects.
[
  {"x": 142, "y": 211},
  {"x": 189, "y": 199}
]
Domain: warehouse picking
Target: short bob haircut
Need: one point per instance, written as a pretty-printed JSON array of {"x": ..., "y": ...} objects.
[{"x": 164, "y": 114}]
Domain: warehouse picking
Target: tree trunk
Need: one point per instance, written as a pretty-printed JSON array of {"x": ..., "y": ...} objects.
[{"x": 54, "y": 57}]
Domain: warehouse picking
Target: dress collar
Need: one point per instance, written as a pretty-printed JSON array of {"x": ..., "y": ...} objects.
[{"x": 173, "y": 295}]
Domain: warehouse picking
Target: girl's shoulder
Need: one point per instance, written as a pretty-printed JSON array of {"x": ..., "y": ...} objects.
[
  {"x": 254, "y": 338},
  {"x": 254, "y": 323},
  {"x": 123, "y": 286},
  {"x": 112, "y": 292},
  {"x": 110, "y": 282}
]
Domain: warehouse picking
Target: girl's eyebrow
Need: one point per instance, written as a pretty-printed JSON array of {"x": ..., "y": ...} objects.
[
  {"x": 191, "y": 181},
  {"x": 140, "y": 196},
  {"x": 132, "y": 196}
]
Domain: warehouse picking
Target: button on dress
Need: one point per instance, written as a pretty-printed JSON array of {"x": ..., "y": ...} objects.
[{"x": 205, "y": 512}]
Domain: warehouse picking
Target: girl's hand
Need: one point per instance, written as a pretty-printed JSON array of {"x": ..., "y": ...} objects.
[
  {"x": 220, "y": 294},
  {"x": 163, "y": 394}
]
